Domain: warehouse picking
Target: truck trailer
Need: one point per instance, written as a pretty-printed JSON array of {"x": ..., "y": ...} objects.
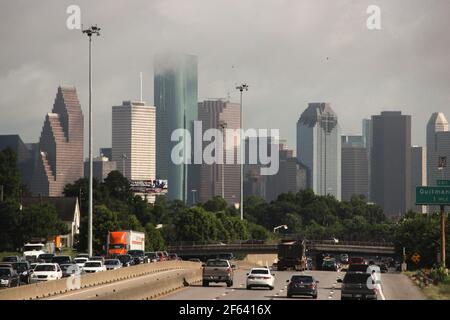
[
  {"x": 120, "y": 242},
  {"x": 292, "y": 255}
]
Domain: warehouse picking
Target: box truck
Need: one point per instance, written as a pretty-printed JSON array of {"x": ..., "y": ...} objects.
[{"x": 120, "y": 242}]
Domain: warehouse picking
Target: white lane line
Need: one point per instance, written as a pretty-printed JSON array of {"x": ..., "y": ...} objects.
[{"x": 381, "y": 293}]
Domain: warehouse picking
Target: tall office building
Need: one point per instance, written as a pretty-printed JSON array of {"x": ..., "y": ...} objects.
[
  {"x": 355, "y": 168},
  {"x": 102, "y": 167},
  {"x": 319, "y": 148},
  {"x": 60, "y": 159},
  {"x": 438, "y": 146},
  {"x": 215, "y": 178},
  {"x": 176, "y": 99},
  {"x": 391, "y": 162},
  {"x": 418, "y": 175},
  {"x": 367, "y": 140},
  {"x": 134, "y": 140}
]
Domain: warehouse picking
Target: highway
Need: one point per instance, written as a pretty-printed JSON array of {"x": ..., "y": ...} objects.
[{"x": 394, "y": 287}]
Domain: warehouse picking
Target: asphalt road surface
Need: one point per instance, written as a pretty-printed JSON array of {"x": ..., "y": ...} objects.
[{"x": 394, "y": 287}]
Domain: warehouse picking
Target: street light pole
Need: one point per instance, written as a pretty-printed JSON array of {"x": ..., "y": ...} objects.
[
  {"x": 242, "y": 88},
  {"x": 94, "y": 30}
]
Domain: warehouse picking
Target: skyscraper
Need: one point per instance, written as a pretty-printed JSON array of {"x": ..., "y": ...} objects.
[
  {"x": 367, "y": 139},
  {"x": 134, "y": 140},
  {"x": 418, "y": 175},
  {"x": 391, "y": 162},
  {"x": 355, "y": 169},
  {"x": 60, "y": 160},
  {"x": 319, "y": 148},
  {"x": 176, "y": 99},
  {"x": 438, "y": 145},
  {"x": 221, "y": 115}
]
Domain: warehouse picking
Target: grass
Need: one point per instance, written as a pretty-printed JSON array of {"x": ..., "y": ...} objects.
[{"x": 440, "y": 291}]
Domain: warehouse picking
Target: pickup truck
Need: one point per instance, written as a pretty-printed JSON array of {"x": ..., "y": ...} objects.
[
  {"x": 358, "y": 286},
  {"x": 218, "y": 270}
]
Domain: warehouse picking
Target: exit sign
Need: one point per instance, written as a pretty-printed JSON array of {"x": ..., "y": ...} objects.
[
  {"x": 433, "y": 195},
  {"x": 443, "y": 183}
]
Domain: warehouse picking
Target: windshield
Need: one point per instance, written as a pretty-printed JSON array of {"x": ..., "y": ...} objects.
[
  {"x": 124, "y": 258},
  {"x": 136, "y": 252},
  {"x": 117, "y": 246},
  {"x": 260, "y": 271},
  {"x": 356, "y": 278},
  {"x": 93, "y": 264},
  {"x": 33, "y": 248},
  {"x": 45, "y": 267},
  {"x": 80, "y": 260},
  {"x": 217, "y": 263},
  {"x": 358, "y": 268},
  {"x": 61, "y": 259},
  {"x": 9, "y": 259},
  {"x": 111, "y": 262},
  {"x": 302, "y": 279},
  {"x": 4, "y": 272}
]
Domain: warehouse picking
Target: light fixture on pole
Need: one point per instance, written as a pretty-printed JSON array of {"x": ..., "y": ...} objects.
[
  {"x": 242, "y": 88},
  {"x": 93, "y": 30},
  {"x": 285, "y": 227}
]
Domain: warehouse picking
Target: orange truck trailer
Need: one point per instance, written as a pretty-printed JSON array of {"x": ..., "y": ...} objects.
[{"x": 120, "y": 242}]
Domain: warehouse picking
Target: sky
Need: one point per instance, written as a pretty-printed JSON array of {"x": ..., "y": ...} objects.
[{"x": 289, "y": 52}]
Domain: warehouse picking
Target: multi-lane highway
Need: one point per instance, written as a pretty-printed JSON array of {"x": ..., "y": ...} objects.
[{"x": 394, "y": 287}]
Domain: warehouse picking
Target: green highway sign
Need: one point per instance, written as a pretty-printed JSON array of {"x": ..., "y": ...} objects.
[
  {"x": 443, "y": 183},
  {"x": 433, "y": 195}
]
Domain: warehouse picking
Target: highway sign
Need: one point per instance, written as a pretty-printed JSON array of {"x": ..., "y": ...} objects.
[
  {"x": 416, "y": 258},
  {"x": 433, "y": 195},
  {"x": 443, "y": 183}
]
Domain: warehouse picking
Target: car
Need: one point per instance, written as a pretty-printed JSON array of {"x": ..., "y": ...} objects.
[
  {"x": 11, "y": 259},
  {"x": 195, "y": 260},
  {"x": 355, "y": 286},
  {"x": 24, "y": 270},
  {"x": 113, "y": 264},
  {"x": 33, "y": 265},
  {"x": 361, "y": 268},
  {"x": 260, "y": 278},
  {"x": 94, "y": 266},
  {"x": 61, "y": 260},
  {"x": 80, "y": 261},
  {"x": 330, "y": 265},
  {"x": 46, "y": 257},
  {"x": 126, "y": 260},
  {"x": 70, "y": 268},
  {"x": 302, "y": 285},
  {"x": 344, "y": 258},
  {"x": 97, "y": 258},
  {"x": 152, "y": 256},
  {"x": 82, "y": 255},
  {"x": 216, "y": 271},
  {"x": 356, "y": 260},
  {"x": 161, "y": 255},
  {"x": 226, "y": 256},
  {"x": 138, "y": 256},
  {"x": 6, "y": 265},
  {"x": 173, "y": 256},
  {"x": 46, "y": 272},
  {"x": 384, "y": 268},
  {"x": 9, "y": 278}
]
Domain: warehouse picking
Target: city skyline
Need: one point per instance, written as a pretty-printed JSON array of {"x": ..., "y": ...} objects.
[{"x": 332, "y": 67}]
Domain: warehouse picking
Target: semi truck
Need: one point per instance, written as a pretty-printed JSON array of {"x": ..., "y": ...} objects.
[
  {"x": 292, "y": 255},
  {"x": 121, "y": 242}
]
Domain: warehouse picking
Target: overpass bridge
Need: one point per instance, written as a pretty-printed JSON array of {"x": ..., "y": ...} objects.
[{"x": 185, "y": 249}]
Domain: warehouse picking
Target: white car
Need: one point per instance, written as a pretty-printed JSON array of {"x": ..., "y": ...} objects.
[
  {"x": 260, "y": 278},
  {"x": 80, "y": 261},
  {"x": 93, "y": 267},
  {"x": 113, "y": 264},
  {"x": 46, "y": 272}
]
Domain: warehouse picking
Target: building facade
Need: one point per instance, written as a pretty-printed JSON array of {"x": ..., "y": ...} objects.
[
  {"x": 176, "y": 101},
  {"x": 319, "y": 148},
  {"x": 367, "y": 139},
  {"x": 418, "y": 175},
  {"x": 60, "y": 158},
  {"x": 391, "y": 162},
  {"x": 134, "y": 140},
  {"x": 102, "y": 167},
  {"x": 221, "y": 179},
  {"x": 355, "y": 168}
]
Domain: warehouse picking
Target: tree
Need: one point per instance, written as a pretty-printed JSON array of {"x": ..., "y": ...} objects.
[
  {"x": 9, "y": 174},
  {"x": 215, "y": 204},
  {"x": 154, "y": 241},
  {"x": 118, "y": 187},
  {"x": 10, "y": 238}
]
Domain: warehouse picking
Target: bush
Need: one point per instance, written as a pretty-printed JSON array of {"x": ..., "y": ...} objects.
[{"x": 439, "y": 274}]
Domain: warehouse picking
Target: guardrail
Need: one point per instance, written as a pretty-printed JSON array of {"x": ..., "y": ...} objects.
[
  {"x": 56, "y": 287},
  {"x": 250, "y": 243}
]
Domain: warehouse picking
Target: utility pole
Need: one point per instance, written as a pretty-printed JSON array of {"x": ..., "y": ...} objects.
[
  {"x": 242, "y": 88},
  {"x": 94, "y": 30}
]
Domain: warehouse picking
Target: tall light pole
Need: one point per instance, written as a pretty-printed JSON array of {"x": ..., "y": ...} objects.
[
  {"x": 94, "y": 30},
  {"x": 223, "y": 126},
  {"x": 242, "y": 88}
]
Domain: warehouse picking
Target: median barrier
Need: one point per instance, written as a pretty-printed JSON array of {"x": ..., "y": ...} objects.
[{"x": 52, "y": 288}]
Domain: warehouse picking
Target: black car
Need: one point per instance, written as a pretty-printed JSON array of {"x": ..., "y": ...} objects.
[
  {"x": 329, "y": 265},
  {"x": 11, "y": 259},
  {"x": 126, "y": 260},
  {"x": 302, "y": 285},
  {"x": 62, "y": 260},
  {"x": 361, "y": 268},
  {"x": 358, "y": 286},
  {"x": 9, "y": 278},
  {"x": 152, "y": 256},
  {"x": 24, "y": 271},
  {"x": 47, "y": 257},
  {"x": 138, "y": 256}
]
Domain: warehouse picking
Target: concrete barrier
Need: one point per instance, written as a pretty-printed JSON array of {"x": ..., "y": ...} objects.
[
  {"x": 260, "y": 260},
  {"x": 52, "y": 288}
]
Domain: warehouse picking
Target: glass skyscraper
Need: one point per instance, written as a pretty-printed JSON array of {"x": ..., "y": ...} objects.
[
  {"x": 319, "y": 148},
  {"x": 175, "y": 98}
]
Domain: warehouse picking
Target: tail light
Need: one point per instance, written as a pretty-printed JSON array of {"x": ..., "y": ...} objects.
[
  {"x": 251, "y": 277},
  {"x": 267, "y": 278},
  {"x": 312, "y": 285},
  {"x": 229, "y": 270}
]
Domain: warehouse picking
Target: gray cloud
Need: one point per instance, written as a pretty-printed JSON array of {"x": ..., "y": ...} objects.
[{"x": 279, "y": 47}]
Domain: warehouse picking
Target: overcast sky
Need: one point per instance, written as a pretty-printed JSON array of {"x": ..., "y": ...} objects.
[{"x": 279, "y": 47}]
